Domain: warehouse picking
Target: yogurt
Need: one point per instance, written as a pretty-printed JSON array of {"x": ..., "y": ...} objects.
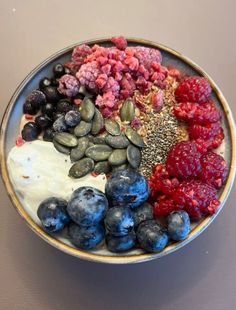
[{"x": 38, "y": 171}]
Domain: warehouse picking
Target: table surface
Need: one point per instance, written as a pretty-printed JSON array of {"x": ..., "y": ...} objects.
[{"x": 36, "y": 276}]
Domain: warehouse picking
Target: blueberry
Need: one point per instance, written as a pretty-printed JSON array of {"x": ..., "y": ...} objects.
[
  {"x": 64, "y": 106},
  {"x": 142, "y": 213},
  {"x": 29, "y": 109},
  {"x": 52, "y": 214},
  {"x": 119, "y": 221},
  {"x": 60, "y": 125},
  {"x": 67, "y": 70},
  {"x": 120, "y": 244},
  {"x": 56, "y": 115},
  {"x": 87, "y": 206},
  {"x": 48, "y": 109},
  {"x": 58, "y": 70},
  {"x": 152, "y": 236},
  {"x": 51, "y": 94},
  {"x": 55, "y": 82},
  {"x": 178, "y": 225},
  {"x": 36, "y": 99},
  {"x": 72, "y": 118},
  {"x": 127, "y": 188},
  {"x": 48, "y": 134},
  {"x": 30, "y": 131},
  {"x": 43, "y": 121},
  {"x": 44, "y": 83},
  {"x": 86, "y": 238}
]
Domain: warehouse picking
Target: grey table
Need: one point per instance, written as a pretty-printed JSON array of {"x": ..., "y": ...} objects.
[{"x": 33, "y": 275}]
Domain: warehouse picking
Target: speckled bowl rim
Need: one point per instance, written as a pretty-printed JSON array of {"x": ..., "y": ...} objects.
[{"x": 202, "y": 225}]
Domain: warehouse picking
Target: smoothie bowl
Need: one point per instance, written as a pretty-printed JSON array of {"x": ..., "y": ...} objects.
[{"x": 118, "y": 151}]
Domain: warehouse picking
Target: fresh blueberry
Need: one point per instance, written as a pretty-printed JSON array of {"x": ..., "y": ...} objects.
[
  {"x": 178, "y": 225},
  {"x": 48, "y": 134},
  {"x": 86, "y": 238},
  {"x": 60, "y": 125},
  {"x": 64, "y": 106},
  {"x": 51, "y": 94},
  {"x": 67, "y": 70},
  {"x": 127, "y": 188},
  {"x": 72, "y": 118},
  {"x": 119, "y": 221},
  {"x": 29, "y": 109},
  {"x": 44, "y": 82},
  {"x": 55, "y": 82},
  {"x": 56, "y": 115},
  {"x": 142, "y": 213},
  {"x": 30, "y": 131},
  {"x": 152, "y": 236},
  {"x": 87, "y": 206},
  {"x": 58, "y": 70},
  {"x": 52, "y": 213},
  {"x": 120, "y": 244},
  {"x": 48, "y": 109},
  {"x": 43, "y": 121}
]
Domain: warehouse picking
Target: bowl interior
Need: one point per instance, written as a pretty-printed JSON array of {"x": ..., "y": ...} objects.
[{"x": 10, "y": 129}]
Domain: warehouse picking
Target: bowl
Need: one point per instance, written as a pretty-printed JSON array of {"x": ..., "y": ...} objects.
[{"x": 10, "y": 126}]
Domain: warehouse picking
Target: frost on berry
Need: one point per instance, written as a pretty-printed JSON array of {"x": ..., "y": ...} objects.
[{"x": 68, "y": 85}]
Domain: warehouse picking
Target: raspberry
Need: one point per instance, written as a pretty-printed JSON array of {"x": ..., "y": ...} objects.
[
  {"x": 87, "y": 75},
  {"x": 193, "y": 89},
  {"x": 106, "y": 100},
  {"x": 68, "y": 85},
  {"x": 164, "y": 206},
  {"x": 198, "y": 198},
  {"x": 112, "y": 86},
  {"x": 120, "y": 42},
  {"x": 79, "y": 54},
  {"x": 145, "y": 55},
  {"x": 202, "y": 145},
  {"x": 157, "y": 100},
  {"x": 197, "y": 114},
  {"x": 204, "y": 132},
  {"x": 217, "y": 140},
  {"x": 183, "y": 160},
  {"x": 214, "y": 170}
]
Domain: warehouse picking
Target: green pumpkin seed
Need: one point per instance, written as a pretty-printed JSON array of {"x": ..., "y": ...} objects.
[
  {"x": 118, "y": 142},
  {"x": 120, "y": 167},
  {"x": 98, "y": 152},
  {"x": 82, "y": 129},
  {"x": 133, "y": 156},
  {"x": 87, "y": 109},
  {"x": 81, "y": 168},
  {"x": 97, "y": 139},
  {"x": 117, "y": 157},
  {"x": 83, "y": 91},
  {"x": 98, "y": 122},
  {"x": 61, "y": 148},
  {"x": 134, "y": 137},
  {"x": 78, "y": 152},
  {"x": 102, "y": 167},
  {"x": 112, "y": 127},
  {"x": 90, "y": 144},
  {"x": 127, "y": 111},
  {"x": 66, "y": 139}
]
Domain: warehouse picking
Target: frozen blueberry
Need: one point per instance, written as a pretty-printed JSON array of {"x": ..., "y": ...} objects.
[
  {"x": 36, "y": 99},
  {"x": 178, "y": 225},
  {"x": 87, "y": 206},
  {"x": 55, "y": 82},
  {"x": 29, "y": 109},
  {"x": 67, "y": 70},
  {"x": 48, "y": 109},
  {"x": 152, "y": 236},
  {"x": 52, "y": 214},
  {"x": 44, "y": 82},
  {"x": 142, "y": 213},
  {"x": 119, "y": 221},
  {"x": 56, "y": 115},
  {"x": 64, "y": 106},
  {"x": 120, "y": 244},
  {"x": 60, "y": 125},
  {"x": 43, "y": 121},
  {"x": 72, "y": 118},
  {"x": 48, "y": 134},
  {"x": 86, "y": 238},
  {"x": 58, "y": 70},
  {"x": 30, "y": 131},
  {"x": 51, "y": 94},
  {"x": 127, "y": 188}
]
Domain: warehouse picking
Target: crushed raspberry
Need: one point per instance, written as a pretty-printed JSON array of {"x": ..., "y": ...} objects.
[
  {"x": 193, "y": 89},
  {"x": 28, "y": 117},
  {"x": 101, "y": 80},
  {"x": 157, "y": 100},
  {"x": 106, "y": 112},
  {"x": 183, "y": 160},
  {"x": 68, "y": 85},
  {"x": 194, "y": 113},
  {"x": 127, "y": 85},
  {"x": 88, "y": 74},
  {"x": 112, "y": 86},
  {"x": 120, "y": 42},
  {"x": 214, "y": 170},
  {"x": 135, "y": 123},
  {"x": 197, "y": 198},
  {"x": 164, "y": 206},
  {"x": 173, "y": 72},
  {"x": 77, "y": 101},
  {"x": 19, "y": 141},
  {"x": 94, "y": 174},
  {"x": 106, "y": 100}
]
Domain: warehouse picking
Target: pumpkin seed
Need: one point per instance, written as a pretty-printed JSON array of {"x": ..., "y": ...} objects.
[
  {"x": 117, "y": 157},
  {"x": 118, "y": 142},
  {"x": 102, "y": 167},
  {"x": 78, "y": 152},
  {"x": 134, "y": 137},
  {"x": 61, "y": 148},
  {"x": 87, "y": 109},
  {"x": 90, "y": 144},
  {"x": 120, "y": 167},
  {"x": 97, "y": 139},
  {"x": 83, "y": 91},
  {"x": 82, "y": 129},
  {"x": 81, "y": 168},
  {"x": 127, "y": 111},
  {"x": 66, "y": 139},
  {"x": 98, "y": 152},
  {"x": 133, "y": 156},
  {"x": 98, "y": 122},
  {"x": 112, "y": 127}
]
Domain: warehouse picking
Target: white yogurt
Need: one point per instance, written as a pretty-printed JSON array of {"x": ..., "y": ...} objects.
[{"x": 38, "y": 171}]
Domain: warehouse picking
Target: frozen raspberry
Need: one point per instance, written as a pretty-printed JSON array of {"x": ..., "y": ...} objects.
[
  {"x": 111, "y": 86},
  {"x": 120, "y": 42},
  {"x": 214, "y": 170},
  {"x": 127, "y": 85},
  {"x": 132, "y": 63},
  {"x": 68, "y": 85},
  {"x": 145, "y": 55},
  {"x": 157, "y": 100},
  {"x": 106, "y": 112},
  {"x": 158, "y": 72},
  {"x": 106, "y": 100},
  {"x": 164, "y": 206},
  {"x": 197, "y": 114},
  {"x": 208, "y": 131},
  {"x": 173, "y": 72},
  {"x": 79, "y": 54},
  {"x": 198, "y": 198},
  {"x": 183, "y": 160},
  {"x": 101, "y": 80},
  {"x": 87, "y": 75},
  {"x": 193, "y": 89},
  {"x": 135, "y": 123}
]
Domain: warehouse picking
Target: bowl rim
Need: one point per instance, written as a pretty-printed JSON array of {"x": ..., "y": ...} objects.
[{"x": 202, "y": 225}]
